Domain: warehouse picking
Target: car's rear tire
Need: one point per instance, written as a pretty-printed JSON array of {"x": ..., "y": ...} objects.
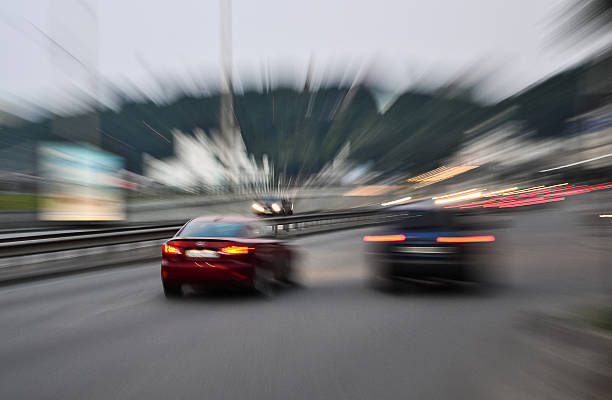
[
  {"x": 264, "y": 283},
  {"x": 172, "y": 290},
  {"x": 287, "y": 273}
]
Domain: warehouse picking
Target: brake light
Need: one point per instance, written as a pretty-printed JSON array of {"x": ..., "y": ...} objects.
[
  {"x": 384, "y": 238},
  {"x": 465, "y": 239},
  {"x": 235, "y": 250},
  {"x": 167, "y": 249}
]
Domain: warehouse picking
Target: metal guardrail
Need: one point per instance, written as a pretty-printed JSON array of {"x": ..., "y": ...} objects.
[
  {"x": 51, "y": 253},
  {"x": 282, "y": 226},
  {"x": 38, "y": 235},
  {"x": 54, "y": 244},
  {"x": 300, "y": 224}
]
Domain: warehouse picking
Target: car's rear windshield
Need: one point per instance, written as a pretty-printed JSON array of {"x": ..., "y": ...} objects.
[
  {"x": 428, "y": 221},
  {"x": 212, "y": 229}
]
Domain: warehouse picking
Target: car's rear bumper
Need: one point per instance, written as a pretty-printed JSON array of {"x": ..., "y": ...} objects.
[
  {"x": 208, "y": 273},
  {"x": 422, "y": 269}
]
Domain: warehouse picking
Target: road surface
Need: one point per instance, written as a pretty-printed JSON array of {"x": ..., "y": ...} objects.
[{"x": 111, "y": 334}]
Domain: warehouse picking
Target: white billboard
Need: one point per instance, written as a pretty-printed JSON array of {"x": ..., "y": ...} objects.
[{"x": 80, "y": 183}]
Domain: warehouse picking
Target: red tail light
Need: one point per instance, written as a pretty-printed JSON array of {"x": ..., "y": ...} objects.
[
  {"x": 235, "y": 250},
  {"x": 465, "y": 239},
  {"x": 385, "y": 238},
  {"x": 167, "y": 249}
]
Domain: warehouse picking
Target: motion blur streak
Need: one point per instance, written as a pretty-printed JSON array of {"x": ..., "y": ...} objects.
[
  {"x": 533, "y": 196},
  {"x": 348, "y": 132},
  {"x": 577, "y": 163},
  {"x": 398, "y": 201},
  {"x": 529, "y": 203},
  {"x": 496, "y": 192},
  {"x": 531, "y": 189},
  {"x": 454, "y": 194},
  {"x": 459, "y": 198},
  {"x": 440, "y": 174},
  {"x": 369, "y": 190}
]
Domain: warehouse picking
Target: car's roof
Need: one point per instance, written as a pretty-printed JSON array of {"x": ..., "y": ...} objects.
[
  {"x": 225, "y": 218},
  {"x": 421, "y": 205}
]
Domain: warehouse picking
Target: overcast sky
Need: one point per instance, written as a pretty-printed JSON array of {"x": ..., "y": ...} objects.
[{"x": 140, "y": 43}]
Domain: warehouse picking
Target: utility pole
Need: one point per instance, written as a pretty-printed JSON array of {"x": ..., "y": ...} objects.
[
  {"x": 227, "y": 122},
  {"x": 230, "y": 132}
]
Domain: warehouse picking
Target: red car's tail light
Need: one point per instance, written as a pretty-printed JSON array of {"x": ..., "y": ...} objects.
[
  {"x": 235, "y": 250},
  {"x": 465, "y": 239},
  {"x": 385, "y": 238},
  {"x": 167, "y": 249}
]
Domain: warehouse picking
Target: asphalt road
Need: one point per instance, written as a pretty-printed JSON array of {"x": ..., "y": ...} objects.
[{"x": 111, "y": 334}]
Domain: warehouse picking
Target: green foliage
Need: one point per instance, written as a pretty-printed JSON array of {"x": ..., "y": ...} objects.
[
  {"x": 599, "y": 317},
  {"x": 17, "y": 202},
  {"x": 301, "y": 131},
  {"x": 418, "y": 131}
]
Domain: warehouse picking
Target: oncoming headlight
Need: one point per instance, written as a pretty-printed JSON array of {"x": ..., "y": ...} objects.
[
  {"x": 257, "y": 207},
  {"x": 275, "y": 207}
]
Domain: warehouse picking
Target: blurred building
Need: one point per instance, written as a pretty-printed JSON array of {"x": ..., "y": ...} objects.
[
  {"x": 592, "y": 138},
  {"x": 504, "y": 144},
  {"x": 203, "y": 162}
]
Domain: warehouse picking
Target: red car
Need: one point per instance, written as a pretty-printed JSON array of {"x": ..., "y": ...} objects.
[{"x": 222, "y": 252}]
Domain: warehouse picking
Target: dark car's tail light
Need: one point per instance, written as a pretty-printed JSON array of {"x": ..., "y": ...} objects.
[
  {"x": 235, "y": 250},
  {"x": 168, "y": 249},
  {"x": 465, "y": 239},
  {"x": 385, "y": 238}
]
